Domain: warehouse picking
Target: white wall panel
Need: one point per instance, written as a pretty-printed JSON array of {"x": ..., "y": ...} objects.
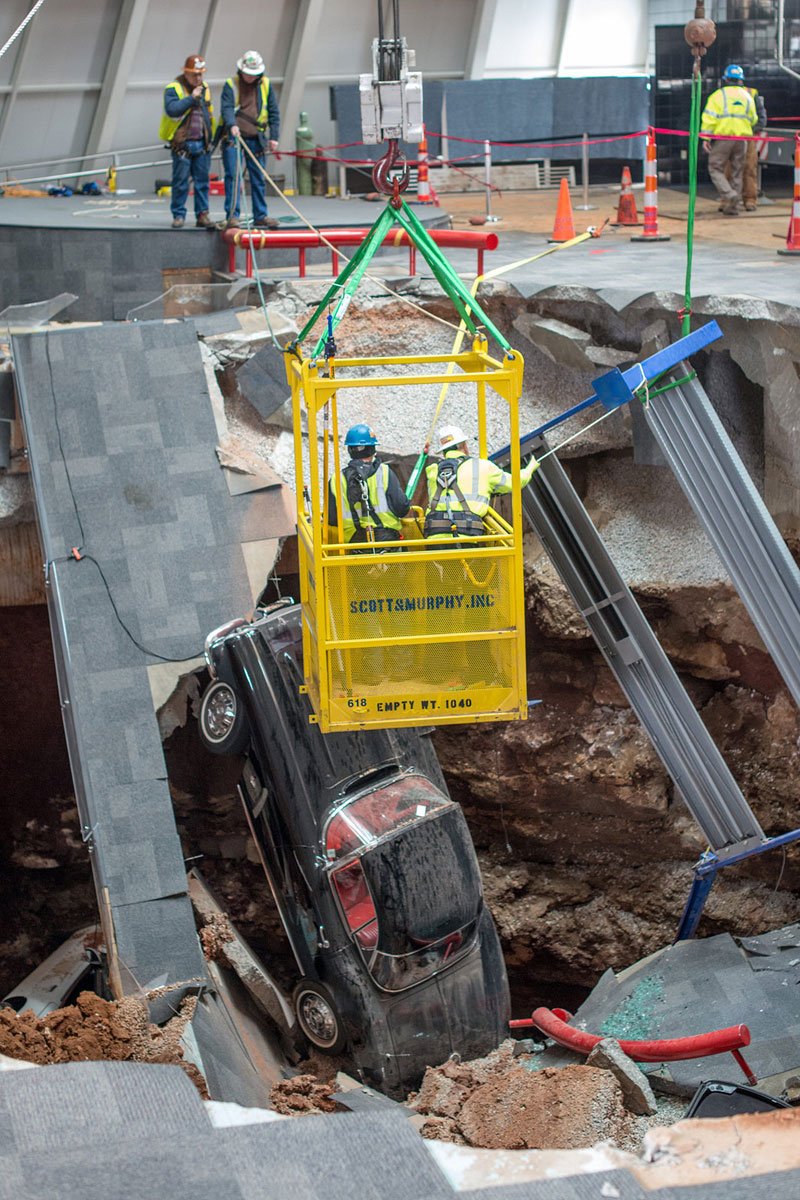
[
  {"x": 69, "y": 42},
  {"x": 525, "y": 38},
  {"x": 48, "y": 125},
  {"x": 604, "y": 39}
]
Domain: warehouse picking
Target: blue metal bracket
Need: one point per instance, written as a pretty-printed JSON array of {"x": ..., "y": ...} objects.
[
  {"x": 617, "y": 387},
  {"x": 705, "y": 872}
]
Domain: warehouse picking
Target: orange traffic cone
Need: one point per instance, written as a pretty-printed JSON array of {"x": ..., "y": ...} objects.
[
  {"x": 626, "y": 211},
  {"x": 423, "y": 186},
  {"x": 650, "y": 232},
  {"x": 564, "y": 226},
  {"x": 793, "y": 233}
]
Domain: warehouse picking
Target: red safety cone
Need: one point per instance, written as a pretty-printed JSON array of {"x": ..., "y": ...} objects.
[
  {"x": 650, "y": 232},
  {"x": 564, "y": 226},
  {"x": 626, "y": 210},
  {"x": 793, "y": 233}
]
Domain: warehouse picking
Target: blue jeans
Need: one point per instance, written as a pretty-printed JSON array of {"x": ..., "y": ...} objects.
[
  {"x": 194, "y": 163},
  {"x": 258, "y": 189}
]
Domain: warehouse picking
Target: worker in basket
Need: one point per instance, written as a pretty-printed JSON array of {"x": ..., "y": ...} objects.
[
  {"x": 460, "y": 487},
  {"x": 373, "y": 502}
]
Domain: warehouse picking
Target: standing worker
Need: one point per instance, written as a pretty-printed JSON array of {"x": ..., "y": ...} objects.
[
  {"x": 188, "y": 125},
  {"x": 372, "y": 499},
  {"x": 750, "y": 180},
  {"x": 460, "y": 487},
  {"x": 248, "y": 110},
  {"x": 730, "y": 113}
]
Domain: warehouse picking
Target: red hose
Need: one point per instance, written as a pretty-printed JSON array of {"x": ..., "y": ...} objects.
[{"x": 718, "y": 1041}]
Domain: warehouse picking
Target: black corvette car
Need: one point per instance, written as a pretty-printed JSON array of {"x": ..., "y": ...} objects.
[{"x": 370, "y": 863}]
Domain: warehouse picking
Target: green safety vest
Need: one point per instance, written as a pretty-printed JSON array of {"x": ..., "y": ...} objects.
[
  {"x": 378, "y": 506},
  {"x": 477, "y": 480},
  {"x": 262, "y": 119},
  {"x": 731, "y": 111},
  {"x": 169, "y": 125}
]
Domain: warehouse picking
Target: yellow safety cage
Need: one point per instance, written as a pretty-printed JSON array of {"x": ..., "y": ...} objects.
[{"x": 409, "y": 632}]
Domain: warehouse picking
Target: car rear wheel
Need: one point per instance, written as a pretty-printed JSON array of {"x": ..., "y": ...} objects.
[
  {"x": 318, "y": 1018},
  {"x": 223, "y": 728}
]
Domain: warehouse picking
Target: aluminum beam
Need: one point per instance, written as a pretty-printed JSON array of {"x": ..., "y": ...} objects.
[
  {"x": 124, "y": 45},
  {"x": 301, "y": 47},
  {"x": 739, "y": 526},
  {"x": 642, "y": 669},
  {"x": 14, "y": 81},
  {"x": 478, "y": 49}
]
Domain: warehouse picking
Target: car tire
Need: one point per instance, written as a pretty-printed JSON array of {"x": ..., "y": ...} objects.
[
  {"x": 222, "y": 723},
  {"x": 318, "y": 1018}
]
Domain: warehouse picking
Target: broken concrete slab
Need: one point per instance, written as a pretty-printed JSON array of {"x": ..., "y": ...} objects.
[
  {"x": 637, "y": 1095},
  {"x": 245, "y": 471},
  {"x": 562, "y": 343},
  {"x": 262, "y": 380}
]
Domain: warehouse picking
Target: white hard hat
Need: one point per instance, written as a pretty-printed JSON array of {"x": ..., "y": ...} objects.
[
  {"x": 251, "y": 63},
  {"x": 451, "y": 435}
]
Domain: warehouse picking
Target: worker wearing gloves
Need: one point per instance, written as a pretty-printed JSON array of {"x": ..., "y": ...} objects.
[
  {"x": 249, "y": 110},
  {"x": 460, "y": 487},
  {"x": 372, "y": 499},
  {"x": 188, "y": 125},
  {"x": 730, "y": 112}
]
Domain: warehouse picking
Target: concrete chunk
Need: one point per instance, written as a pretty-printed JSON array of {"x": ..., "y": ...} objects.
[
  {"x": 637, "y": 1095},
  {"x": 564, "y": 344}
]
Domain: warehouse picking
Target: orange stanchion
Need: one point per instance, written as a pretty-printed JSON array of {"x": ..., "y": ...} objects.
[
  {"x": 793, "y": 233},
  {"x": 650, "y": 232},
  {"x": 564, "y": 226},
  {"x": 423, "y": 186},
  {"x": 626, "y": 210},
  {"x": 425, "y": 192}
]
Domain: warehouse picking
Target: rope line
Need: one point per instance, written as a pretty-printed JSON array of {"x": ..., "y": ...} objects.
[{"x": 21, "y": 27}]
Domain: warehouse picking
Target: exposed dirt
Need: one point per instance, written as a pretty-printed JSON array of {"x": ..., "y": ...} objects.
[
  {"x": 214, "y": 935},
  {"x": 303, "y": 1096},
  {"x": 94, "y": 1029}
]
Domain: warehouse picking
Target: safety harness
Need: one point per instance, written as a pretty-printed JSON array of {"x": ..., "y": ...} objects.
[
  {"x": 363, "y": 513},
  {"x": 461, "y": 522}
]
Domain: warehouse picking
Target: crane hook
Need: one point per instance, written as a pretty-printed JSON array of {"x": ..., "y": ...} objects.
[{"x": 380, "y": 172}]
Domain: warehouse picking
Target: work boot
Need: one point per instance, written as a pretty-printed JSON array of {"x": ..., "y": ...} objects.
[
  {"x": 731, "y": 208},
  {"x": 267, "y": 223},
  {"x": 232, "y": 223},
  {"x": 178, "y": 223},
  {"x": 750, "y": 208},
  {"x": 204, "y": 221}
]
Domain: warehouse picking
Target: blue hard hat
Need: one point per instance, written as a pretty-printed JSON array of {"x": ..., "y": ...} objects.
[
  {"x": 734, "y": 71},
  {"x": 360, "y": 435}
]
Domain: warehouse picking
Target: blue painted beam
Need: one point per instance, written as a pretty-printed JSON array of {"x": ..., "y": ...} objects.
[{"x": 617, "y": 387}]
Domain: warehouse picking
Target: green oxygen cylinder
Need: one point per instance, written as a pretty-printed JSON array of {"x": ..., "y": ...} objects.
[{"x": 304, "y": 144}]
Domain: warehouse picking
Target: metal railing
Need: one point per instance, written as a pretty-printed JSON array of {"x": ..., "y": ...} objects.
[{"x": 111, "y": 157}]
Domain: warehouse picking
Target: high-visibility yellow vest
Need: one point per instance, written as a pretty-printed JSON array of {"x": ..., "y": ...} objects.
[
  {"x": 730, "y": 111},
  {"x": 170, "y": 125},
  {"x": 262, "y": 120},
  {"x": 378, "y": 506}
]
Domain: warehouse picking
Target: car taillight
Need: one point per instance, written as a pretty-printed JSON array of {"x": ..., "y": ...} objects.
[{"x": 357, "y": 905}]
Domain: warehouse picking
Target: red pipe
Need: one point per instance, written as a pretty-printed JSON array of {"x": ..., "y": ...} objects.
[
  {"x": 304, "y": 239},
  {"x": 718, "y": 1041}
]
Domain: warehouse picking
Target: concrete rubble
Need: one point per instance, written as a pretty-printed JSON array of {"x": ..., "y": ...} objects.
[{"x": 509, "y": 1100}]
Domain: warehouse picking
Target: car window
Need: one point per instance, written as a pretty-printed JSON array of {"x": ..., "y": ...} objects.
[{"x": 364, "y": 820}]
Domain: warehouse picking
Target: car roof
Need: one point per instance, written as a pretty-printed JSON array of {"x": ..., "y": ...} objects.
[{"x": 345, "y": 761}]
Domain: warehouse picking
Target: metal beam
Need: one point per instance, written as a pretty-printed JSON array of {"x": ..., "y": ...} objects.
[
  {"x": 561, "y": 35},
  {"x": 124, "y": 45},
  {"x": 309, "y": 14},
  {"x": 209, "y": 25},
  {"x": 13, "y": 83},
  {"x": 482, "y": 21}
]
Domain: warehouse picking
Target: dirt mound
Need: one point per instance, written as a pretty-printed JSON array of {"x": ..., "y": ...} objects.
[
  {"x": 96, "y": 1030},
  {"x": 500, "y": 1103},
  {"x": 303, "y": 1095},
  {"x": 214, "y": 935}
]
